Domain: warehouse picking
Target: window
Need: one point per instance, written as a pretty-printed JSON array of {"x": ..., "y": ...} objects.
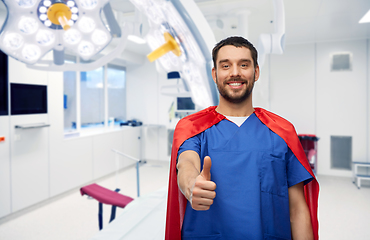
[
  {"x": 116, "y": 93},
  {"x": 92, "y": 98},
  {"x": 70, "y": 101},
  {"x": 85, "y": 103}
]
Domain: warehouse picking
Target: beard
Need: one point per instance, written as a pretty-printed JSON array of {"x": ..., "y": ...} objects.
[{"x": 237, "y": 95}]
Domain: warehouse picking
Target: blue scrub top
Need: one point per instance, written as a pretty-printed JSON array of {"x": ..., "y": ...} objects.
[{"x": 253, "y": 168}]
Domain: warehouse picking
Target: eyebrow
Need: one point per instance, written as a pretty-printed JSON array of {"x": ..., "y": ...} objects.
[
  {"x": 223, "y": 61},
  {"x": 241, "y": 60},
  {"x": 246, "y": 60}
]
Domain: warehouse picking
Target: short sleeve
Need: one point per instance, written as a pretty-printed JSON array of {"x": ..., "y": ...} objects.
[
  {"x": 192, "y": 143},
  {"x": 296, "y": 173}
]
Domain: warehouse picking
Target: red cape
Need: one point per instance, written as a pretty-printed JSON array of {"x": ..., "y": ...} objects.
[{"x": 199, "y": 122}]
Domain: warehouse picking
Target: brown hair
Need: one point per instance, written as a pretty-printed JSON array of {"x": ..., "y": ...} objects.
[{"x": 237, "y": 42}]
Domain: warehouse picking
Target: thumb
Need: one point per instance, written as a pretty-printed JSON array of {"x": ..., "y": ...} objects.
[{"x": 206, "y": 172}]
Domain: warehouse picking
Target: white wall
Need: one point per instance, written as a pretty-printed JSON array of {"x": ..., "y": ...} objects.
[
  {"x": 145, "y": 103},
  {"x": 293, "y": 86},
  {"x": 341, "y": 102},
  {"x": 317, "y": 101},
  {"x": 368, "y": 99}
]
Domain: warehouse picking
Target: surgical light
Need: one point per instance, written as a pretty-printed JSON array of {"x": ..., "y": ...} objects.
[
  {"x": 13, "y": 41},
  {"x": 72, "y": 36},
  {"x": 86, "y": 25},
  {"x": 28, "y": 25},
  {"x": 85, "y": 48},
  {"x": 45, "y": 37},
  {"x": 31, "y": 52},
  {"x": 26, "y": 3},
  {"x": 136, "y": 39},
  {"x": 35, "y": 27},
  {"x": 99, "y": 37},
  {"x": 170, "y": 45},
  {"x": 89, "y": 4},
  {"x": 187, "y": 50},
  {"x": 365, "y": 18}
]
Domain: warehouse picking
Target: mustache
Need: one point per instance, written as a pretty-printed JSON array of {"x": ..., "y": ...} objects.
[{"x": 238, "y": 79}]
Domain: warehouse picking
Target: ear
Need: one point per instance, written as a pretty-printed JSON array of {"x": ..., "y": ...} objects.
[
  {"x": 256, "y": 73},
  {"x": 214, "y": 75}
]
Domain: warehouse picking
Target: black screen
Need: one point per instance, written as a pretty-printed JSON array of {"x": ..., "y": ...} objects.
[
  {"x": 3, "y": 84},
  {"x": 28, "y": 99},
  {"x": 185, "y": 103}
]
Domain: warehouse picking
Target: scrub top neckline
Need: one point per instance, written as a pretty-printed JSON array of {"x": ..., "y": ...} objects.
[{"x": 237, "y": 120}]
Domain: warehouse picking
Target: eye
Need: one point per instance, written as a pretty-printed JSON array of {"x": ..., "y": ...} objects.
[
  {"x": 225, "y": 66},
  {"x": 244, "y": 65}
]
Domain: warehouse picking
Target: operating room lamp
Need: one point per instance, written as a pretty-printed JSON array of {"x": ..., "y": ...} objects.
[
  {"x": 35, "y": 27},
  {"x": 182, "y": 41}
]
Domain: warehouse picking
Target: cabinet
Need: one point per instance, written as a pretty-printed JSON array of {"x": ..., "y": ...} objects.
[
  {"x": 5, "y": 200},
  {"x": 356, "y": 177},
  {"x": 29, "y": 151}
]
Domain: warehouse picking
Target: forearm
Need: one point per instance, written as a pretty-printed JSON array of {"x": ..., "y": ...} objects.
[
  {"x": 300, "y": 219},
  {"x": 188, "y": 171},
  {"x": 301, "y": 224}
]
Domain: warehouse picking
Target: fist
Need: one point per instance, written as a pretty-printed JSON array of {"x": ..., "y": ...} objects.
[{"x": 203, "y": 190}]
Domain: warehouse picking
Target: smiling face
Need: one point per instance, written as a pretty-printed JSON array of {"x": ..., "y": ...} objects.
[{"x": 235, "y": 74}]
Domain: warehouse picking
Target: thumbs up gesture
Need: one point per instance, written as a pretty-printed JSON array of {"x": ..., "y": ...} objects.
[{"x": 203, "y": 190}]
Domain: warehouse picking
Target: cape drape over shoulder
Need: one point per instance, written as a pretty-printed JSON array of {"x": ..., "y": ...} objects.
[{"x": 199, "y": 122}]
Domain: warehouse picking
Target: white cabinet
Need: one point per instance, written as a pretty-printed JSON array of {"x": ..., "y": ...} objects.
[
  {"x": 131, "y": 143},
  {"x": 103, "y": 156},
  {"x": 5, "y": 200},
  {"x": 29, "y": 150},
  {"x": 154, "y": 142}
]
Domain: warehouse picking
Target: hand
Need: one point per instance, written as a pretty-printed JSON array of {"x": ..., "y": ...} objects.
[{"x": 203, "y": 191}]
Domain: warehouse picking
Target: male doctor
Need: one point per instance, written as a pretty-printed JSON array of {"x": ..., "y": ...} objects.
[{"x": 239, "y": 172}]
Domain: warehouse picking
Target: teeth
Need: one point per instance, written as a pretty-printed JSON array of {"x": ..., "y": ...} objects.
[{"x": 235, "y": 84}]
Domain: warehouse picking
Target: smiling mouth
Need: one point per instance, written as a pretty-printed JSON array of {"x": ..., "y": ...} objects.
[{"x": 235, "y": 84}]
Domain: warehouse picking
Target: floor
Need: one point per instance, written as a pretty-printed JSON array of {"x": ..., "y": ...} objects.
[
  {"x": 75, "y": 217},
  {"x": 344, "y": 210}
]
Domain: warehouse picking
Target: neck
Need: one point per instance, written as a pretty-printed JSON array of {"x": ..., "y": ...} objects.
[{"x": 242, "y": 109}]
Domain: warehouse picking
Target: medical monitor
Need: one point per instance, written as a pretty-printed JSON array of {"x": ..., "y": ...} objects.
[
  {"x": 28, "y": 99},
  {"x": 3, "y": 84},
  {"x": 185, "y": 104}
]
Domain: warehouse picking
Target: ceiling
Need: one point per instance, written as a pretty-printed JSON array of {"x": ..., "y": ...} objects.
[{"x": 305, "y": 20}]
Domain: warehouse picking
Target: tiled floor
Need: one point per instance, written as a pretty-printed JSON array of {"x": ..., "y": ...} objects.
[{"x": 344, "y": 211}]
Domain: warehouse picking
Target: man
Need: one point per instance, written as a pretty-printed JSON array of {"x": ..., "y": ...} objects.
[{"x": 239, "y": 172}]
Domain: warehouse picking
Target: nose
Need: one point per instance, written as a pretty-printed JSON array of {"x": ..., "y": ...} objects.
[{"x": 234, "y": 71}]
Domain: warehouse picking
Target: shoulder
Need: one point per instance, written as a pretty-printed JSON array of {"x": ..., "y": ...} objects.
[
  {"x": 198, "y": 122},
  {"x": 273, "y": 120}
]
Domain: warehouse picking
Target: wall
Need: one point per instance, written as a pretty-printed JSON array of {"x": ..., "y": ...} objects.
[
  {"x": 293, "y": 86},
  {"x": 37, "y": 164},
  {"x": 145, "y": 103},
  {"x": 341, "y": 102},
  {"x": 318, "y": 101},
  {"x": 368, "y": 98}
]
